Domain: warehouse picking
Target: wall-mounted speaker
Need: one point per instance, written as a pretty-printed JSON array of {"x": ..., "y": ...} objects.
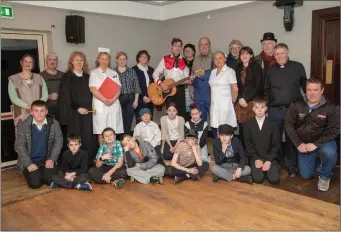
[{"x": 75, "y": 29}]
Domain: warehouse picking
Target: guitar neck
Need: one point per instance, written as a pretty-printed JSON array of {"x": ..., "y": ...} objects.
[{"x": 179, "y": 82}]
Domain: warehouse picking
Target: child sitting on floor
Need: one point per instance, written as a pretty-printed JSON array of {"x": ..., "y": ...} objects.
[
  {"x": 187, "y": 162},
  {"x": 109, "y": 161},
  {"x": 74, "y": 167},
  {"x": 201, "y": 127},
  {"x": 229, "y": 157},
  {"x": 172, "y": 131}
]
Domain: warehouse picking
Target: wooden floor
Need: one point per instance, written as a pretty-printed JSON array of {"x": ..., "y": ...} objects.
[{"x": 190, "y": 205}]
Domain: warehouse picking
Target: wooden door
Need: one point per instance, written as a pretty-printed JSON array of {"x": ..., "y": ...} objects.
[{"x": 325, "y": 50}]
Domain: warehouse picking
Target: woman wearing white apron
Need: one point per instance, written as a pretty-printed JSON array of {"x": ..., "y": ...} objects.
[
  {"x": 224, "y": 91},
  {"x": 108, "y": 111}
]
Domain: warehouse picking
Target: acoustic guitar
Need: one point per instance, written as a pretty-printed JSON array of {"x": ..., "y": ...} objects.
[{"x": 158, "y": 96}]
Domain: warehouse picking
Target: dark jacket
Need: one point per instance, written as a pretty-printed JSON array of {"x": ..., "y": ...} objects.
[
  {"x": 23, "y": 142},
  {"x": 262, "y": 144},
  {"x": 150, "y": 157},
  {"x": 231, "y": 62},
  {"x": 319, "y": 126},
  {"x": 142, "y": 80},
  {"x": 254, "y": 82},
  {"x": 75, "y": 162},
  {"x": 282, "y": 85},
  {"x": 238, "y": 150}
]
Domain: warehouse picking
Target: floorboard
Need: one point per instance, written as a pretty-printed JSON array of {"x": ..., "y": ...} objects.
[{"x": 190, "y": 205}]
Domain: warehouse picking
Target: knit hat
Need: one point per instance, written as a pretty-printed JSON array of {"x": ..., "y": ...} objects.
[
  {"x": 225, "y": 129},
  {"x": 190, "y": 46},
  {"x": 145, "y": 111},
  {"x": 192, "y": 133}
]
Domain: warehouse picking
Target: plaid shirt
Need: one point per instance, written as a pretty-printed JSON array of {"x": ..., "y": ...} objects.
[
  {"x": 129, "y": 81},
  {"x": 116, "y": 152}
]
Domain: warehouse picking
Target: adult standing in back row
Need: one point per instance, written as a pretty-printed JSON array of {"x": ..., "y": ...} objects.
[
  {"x": 266, "y": 58},
  {"x": 283, "y": 83},
  {"x": 130, "y": 90}
]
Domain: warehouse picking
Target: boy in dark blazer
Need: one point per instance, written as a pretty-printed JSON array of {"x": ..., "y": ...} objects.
[
  {"x": 262, "y": 143},
  {"x": 229, "y": 157}
]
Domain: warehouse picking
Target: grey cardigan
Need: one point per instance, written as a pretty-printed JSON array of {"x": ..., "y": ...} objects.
[
  {"x": 147, "y": 150},
  {"x": 23, "y": 142}
]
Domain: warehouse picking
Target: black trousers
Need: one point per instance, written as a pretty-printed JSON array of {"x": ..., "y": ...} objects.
[
  {"x": 140, "y": 106},
  {"x": 167, "y": 155},
  {"x": 273, "y": 174},
  {"x": 180, "y": 100},
  {"x": 80, "y": 179},
  {"x": 172, "y": 171},
  {"x": 288, "y": 151},
  {"x": 126, "y": 101},
  {"x": 83, "y": 127},
  {"x": 40, "y": 176},
  {"x": 96, "y": 174}
]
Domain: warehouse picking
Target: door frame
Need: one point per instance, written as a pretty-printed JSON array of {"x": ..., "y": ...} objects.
[
  {"x": 319, "y": 17},
  {"x": 41, "y": 38}
]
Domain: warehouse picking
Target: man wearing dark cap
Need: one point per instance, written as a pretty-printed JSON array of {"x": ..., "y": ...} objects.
[
  {"x": 266, "y": 58},
  {"x": 229, "y": 157}
]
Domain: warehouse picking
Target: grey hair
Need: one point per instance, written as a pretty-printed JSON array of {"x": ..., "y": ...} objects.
[
  {"x": 51, "y": 54},
  {"x": 209, "y": 41},
  {"x": 217, "y": 52}
]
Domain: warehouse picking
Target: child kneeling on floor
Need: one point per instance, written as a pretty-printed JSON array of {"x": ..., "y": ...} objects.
[
  {"x": 109, "y": 161},
  {"x": 74, "y": 167},
  {"x": 143, "y": 163},
  {"x": 229, "y": 157},
  {"x": 187, "y": 161}
]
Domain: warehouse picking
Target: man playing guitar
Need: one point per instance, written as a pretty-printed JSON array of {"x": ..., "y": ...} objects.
[{"x": 174, "y": 67}]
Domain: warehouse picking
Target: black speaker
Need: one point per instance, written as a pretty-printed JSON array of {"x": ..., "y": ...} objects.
[{"x": 75, "y": 29}]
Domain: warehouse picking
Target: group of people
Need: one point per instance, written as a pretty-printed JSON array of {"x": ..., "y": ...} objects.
[{"x": 261, "y": 95}]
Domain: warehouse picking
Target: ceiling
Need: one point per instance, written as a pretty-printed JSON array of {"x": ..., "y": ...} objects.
[{"x": 158, "y": 3}]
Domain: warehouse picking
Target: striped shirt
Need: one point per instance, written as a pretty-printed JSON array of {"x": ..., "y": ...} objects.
[
  {"x": 186, "y": 154},
  {"x": 129, "y": 81},
  {"x": 116, "y": 152}
]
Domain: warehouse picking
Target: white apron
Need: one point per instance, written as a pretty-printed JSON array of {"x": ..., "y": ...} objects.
[
  {"x": 106, "y": 116},
  {"x": 222, "y": 110}
]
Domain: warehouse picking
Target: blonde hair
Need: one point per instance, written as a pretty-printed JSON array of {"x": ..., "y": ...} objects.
[
  {"x": 237, "y": 42},
  {"x": 121, "y": 54},
  {"x": 82, "y": 55},
  {"x": 99, "y": 56}
]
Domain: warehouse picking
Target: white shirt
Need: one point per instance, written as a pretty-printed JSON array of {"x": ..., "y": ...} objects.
[
  {"x": 260, "y": 122},
  {"x": 144, "y": 70},
  {"x": 148, "y": 132},
  {"x": 173, "y": 128},
  {"x": 175, "y": 73},
  {"x": 39, "y": 126}
]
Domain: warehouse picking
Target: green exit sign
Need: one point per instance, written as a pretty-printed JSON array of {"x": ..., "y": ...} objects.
[{"x": 6, "y": 12}]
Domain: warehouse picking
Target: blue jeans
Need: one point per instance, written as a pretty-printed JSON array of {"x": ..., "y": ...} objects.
[{"x": 325, "y": 163}]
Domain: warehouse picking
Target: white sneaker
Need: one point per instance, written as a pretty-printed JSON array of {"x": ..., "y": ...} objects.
[{"x": 323, "y": 185}]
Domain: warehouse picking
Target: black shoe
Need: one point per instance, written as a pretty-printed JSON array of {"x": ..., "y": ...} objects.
[
  {"x": 292, "y": 174},
  {"x": 178, "y": 179},
  {"x": 246, "y": 179},
  {"x": 118, "y": 183},
  {"x": 156, "y": 180},
  {"x": 215, "y": 177}
]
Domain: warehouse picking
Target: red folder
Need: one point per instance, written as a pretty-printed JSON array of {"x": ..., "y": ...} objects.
[{"x": 109, "y": 88}]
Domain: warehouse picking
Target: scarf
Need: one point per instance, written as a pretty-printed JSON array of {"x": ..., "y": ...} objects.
[
  {"x": 266, "y": 57},
  {"x": 145, "y": 71}
]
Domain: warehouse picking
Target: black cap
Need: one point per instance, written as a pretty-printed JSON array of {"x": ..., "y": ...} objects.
[
  {"x": 225, "y": 129},
  {"x": 269, "y": 36},
  {"x": 190, "y": 46},
  {"x": 192, "y": 133}
]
